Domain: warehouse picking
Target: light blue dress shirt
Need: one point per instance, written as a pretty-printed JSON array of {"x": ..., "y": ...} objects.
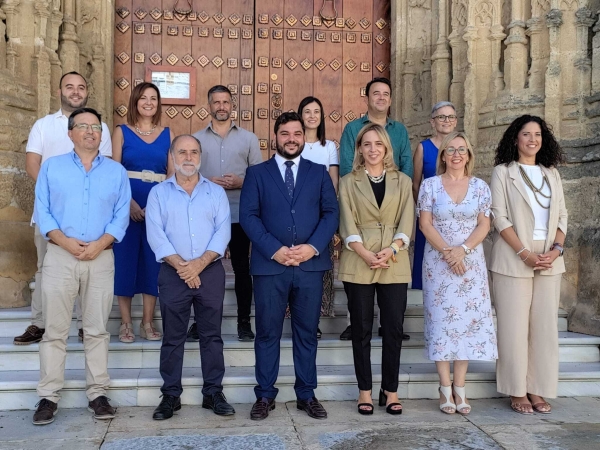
[
  {"x": 83, "y": 205},
  {"x": 187, "y": 225}
]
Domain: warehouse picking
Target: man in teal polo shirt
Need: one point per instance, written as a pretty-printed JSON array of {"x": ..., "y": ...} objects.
[{"x": 379, "y": 99}]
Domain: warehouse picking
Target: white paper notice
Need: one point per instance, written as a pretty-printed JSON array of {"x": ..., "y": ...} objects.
[{"x": 172, "y": 84}]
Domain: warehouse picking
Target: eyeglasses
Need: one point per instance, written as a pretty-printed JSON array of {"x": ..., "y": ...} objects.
[
  {"x": 459, "y": 150},
  {"x": 84, "y": 127},
  {"x": 444, "y": 118}
]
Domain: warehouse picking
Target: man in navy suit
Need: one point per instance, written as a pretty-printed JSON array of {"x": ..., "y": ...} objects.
[{"x": 289, "y": 210}]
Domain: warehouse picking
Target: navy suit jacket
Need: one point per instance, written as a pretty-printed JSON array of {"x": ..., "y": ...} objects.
[{"x": 272, "y": 219}]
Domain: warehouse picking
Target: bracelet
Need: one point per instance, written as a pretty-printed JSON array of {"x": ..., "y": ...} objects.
[
  {"x": 521, "y": 251},
  {"x": 526, "y": 257},
  {"x": 394, "y": 247}
]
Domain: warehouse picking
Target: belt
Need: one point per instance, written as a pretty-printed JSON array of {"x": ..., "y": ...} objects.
[
  {"x": 108, "y": 247},
  {"x": 147, "y": 176}
]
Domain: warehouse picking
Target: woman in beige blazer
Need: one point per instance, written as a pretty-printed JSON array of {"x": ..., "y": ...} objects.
[
  {"x": 530, "y": 219},
  {"x": 376, "y": 217}
]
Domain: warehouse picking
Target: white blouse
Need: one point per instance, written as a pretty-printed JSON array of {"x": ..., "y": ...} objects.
[
  {"x": 535, "y": 174},
  {"x": 317, "y": 153}
]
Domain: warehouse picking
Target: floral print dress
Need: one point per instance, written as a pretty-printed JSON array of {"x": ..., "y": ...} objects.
[{"x": 457, "y": 309}]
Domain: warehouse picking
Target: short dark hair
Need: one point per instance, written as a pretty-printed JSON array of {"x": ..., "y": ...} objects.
[
  {"x": 549, "y": 155},
  {"x": 321, "y": 128},
  {"x": 71, "y": 73},
  {"x": 286, "y": 117},
  {"x": 133, "y": 113},
  {"x": 378, "y": 80},
  {"x": 75, "y": 113},
  {"x": 218, "y": 88},
  {"x": 174, "y": 143}
]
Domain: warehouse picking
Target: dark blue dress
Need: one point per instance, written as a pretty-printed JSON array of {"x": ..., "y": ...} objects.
[
  {"x": 136, "y": 269},
  {"x": 430, "y": 153}
]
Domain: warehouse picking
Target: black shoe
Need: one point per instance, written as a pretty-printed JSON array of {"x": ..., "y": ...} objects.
[
  {"x": 245, "y": 333},
  {"x": 80, "y": 335},
  {"x": 45, "y": 412},
  {"x": 312, "y": 407},
  {"x": 347, "y": 334},
  {"x": 32, "y": 335},
  {"x": 262, "y": 406},
  {"x": 379, "y": 332},
  {"x": 192, "y": 335},
  {"x": 405, "y": 337},
  {"x": 319, "y": 334},
  {"x": 168, "y": 405},
  {"x": 218, "y": 403}
]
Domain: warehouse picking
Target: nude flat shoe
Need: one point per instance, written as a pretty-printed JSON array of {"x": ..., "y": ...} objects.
[{"x": 126, "y": 333}]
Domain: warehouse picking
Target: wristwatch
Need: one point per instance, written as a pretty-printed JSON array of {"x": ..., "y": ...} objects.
[
  {"x": 559, "y": 247},
  {"x": 468, "y": 251}
]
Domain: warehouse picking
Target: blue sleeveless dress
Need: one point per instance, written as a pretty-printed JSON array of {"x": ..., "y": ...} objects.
[
  {"x": 136, "y": 269},
  {"x": 430, "y": 153}
]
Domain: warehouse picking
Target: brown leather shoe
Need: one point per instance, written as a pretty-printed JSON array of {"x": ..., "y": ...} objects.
[
  {"x": 45, "y": 412},
  {"x": 312, "y": 407},
  {"x": 262, "y": 406},
  {"x": 101, "y": 408},
  {"x": 32, "y": 335}
]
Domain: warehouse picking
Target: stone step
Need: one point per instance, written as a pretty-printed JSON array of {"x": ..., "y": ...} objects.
[
  {"x": 141, "y": 387},
  {"x": 14, "y": 321},
  {"x": 573, "y": 347}
]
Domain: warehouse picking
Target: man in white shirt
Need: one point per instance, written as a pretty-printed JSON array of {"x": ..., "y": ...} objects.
[{"x": 48, "y": 138}]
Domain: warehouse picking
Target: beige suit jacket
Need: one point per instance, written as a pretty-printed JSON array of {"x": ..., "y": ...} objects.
[
  {"x": 511, "y": 208},
  {"x": 360, "y": 215}
]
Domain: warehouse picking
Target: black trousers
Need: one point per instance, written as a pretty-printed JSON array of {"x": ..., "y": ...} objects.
[
  {"x": 239, "y": 250},
  {"x": 391, "y": 299},
  {"x": 176, "y": 300}
]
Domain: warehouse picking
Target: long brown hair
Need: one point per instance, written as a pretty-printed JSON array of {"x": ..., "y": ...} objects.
[{"x": 133, "y": 113}]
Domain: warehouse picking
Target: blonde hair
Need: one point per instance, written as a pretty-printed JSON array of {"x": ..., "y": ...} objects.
[
  {"x": 441, "y": 165},
  {"x": 388, "y": 158}
]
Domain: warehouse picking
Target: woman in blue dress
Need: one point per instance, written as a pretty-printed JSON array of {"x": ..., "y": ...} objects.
[
  {"x": 142, "y": 146},
  {"x": 443, "y": 121}
]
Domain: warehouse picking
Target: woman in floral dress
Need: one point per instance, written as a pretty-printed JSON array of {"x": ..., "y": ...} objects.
[{"x": 454, "y": 209}]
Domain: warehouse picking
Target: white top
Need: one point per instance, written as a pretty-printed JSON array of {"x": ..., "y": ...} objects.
[
  {"x": 535, "y": 174},
  {"x": 317, "y": 153},
  {"x": 280, "y": 160},
  {"x": 49, "y": 137}
]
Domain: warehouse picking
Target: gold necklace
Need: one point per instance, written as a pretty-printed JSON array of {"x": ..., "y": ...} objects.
[
  {"x": 144, "y": 133},
  {"x": 534, "y": 189}
]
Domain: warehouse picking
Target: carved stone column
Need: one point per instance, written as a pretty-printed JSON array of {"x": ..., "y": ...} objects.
[
  {"x": 459, "y": 52},
  {"x": 11, "y": 10},
  {"x": 584, "y": 20},
  {"x": 69, "y": 51},
  {"x": 553, "y": 78},
  {"x": 538, "y": 44},
  {"x": 56, "y": 66},
  {"x": 497, "y": 80},
  {"x": 596, "y": 58},
  {"x": 41, "y": 60},
  {"x": 441, "y": 65},
  {"x": 471, "y": 99},
  {"x": 515, "y": 56}
]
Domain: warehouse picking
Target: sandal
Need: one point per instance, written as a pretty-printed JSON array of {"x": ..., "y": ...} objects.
[
  {"x": 462, "y": 407},
  {"x": 389, "y": 408},
  {"x": 448, "y": 407},
  {"x": 147, "y": 331},
  {"x": 126, "y": 333},
  {"x": 365, "y": 412},
  {"x": 542, "y": 407},
  {"x": 520, "y": 408}
]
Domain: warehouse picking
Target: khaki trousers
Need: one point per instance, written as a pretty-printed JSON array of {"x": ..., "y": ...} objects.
[
  {"x": 526, "y": 309},
  {"x": 64, "y": 278},
  {"x": 37, "y": 317}
]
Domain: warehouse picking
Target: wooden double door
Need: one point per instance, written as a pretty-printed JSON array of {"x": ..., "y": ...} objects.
[{"x": 270, "y": 53}]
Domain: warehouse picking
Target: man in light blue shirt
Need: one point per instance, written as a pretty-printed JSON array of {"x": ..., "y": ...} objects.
[
  {"x": 81, "y": 207},
  {"x": 188, "y": 224}
]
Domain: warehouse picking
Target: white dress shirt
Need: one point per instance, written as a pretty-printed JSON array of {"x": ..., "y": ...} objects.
[{"x": 281, "y": 164}]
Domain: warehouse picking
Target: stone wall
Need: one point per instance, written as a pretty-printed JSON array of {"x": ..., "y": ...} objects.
[
  {"x": 495, "y": 59},
  {"x": 39, "y": 41}
]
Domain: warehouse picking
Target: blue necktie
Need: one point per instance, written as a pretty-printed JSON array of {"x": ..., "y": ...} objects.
[{"x": 289, "y": 178}]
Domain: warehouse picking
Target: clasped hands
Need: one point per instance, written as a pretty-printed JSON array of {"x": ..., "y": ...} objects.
[
  {"x": 83, "y": 251},
  {"x": 455, "y": 256},
  {"x": 189, "y": 271},
  {"x": 377, "y": 260},
  {"x": 293, "y": 256},
  {"x": 540, "y": 261},
  {"x": 229, "y": 181}
]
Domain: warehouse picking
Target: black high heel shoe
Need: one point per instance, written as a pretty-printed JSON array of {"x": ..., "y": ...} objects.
[{"x": 389, "y": 408}]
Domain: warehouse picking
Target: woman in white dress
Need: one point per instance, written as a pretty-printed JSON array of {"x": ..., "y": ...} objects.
[
  {"x": 321, "y": 151},
  {"x": 454, "y": 209}
]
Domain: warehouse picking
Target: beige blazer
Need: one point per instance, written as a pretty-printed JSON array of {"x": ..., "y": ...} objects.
[
  {"x": 360, "y": 215},
  {"x": 511, "y": 208}
]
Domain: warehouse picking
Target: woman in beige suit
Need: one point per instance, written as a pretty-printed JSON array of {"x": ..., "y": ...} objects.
[
  {"x": 530, "y": 219},
  {"x": 376, "y": 216}
]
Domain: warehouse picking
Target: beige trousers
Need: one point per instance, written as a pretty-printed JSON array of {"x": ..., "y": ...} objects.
[
  {"x": 64, "y": 278},
  {"x": 37, "y": 317},
  {"x": 526, "y": 309}
]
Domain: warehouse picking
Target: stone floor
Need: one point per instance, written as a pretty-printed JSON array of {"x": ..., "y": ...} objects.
[{"x": 574, "y": 424}]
